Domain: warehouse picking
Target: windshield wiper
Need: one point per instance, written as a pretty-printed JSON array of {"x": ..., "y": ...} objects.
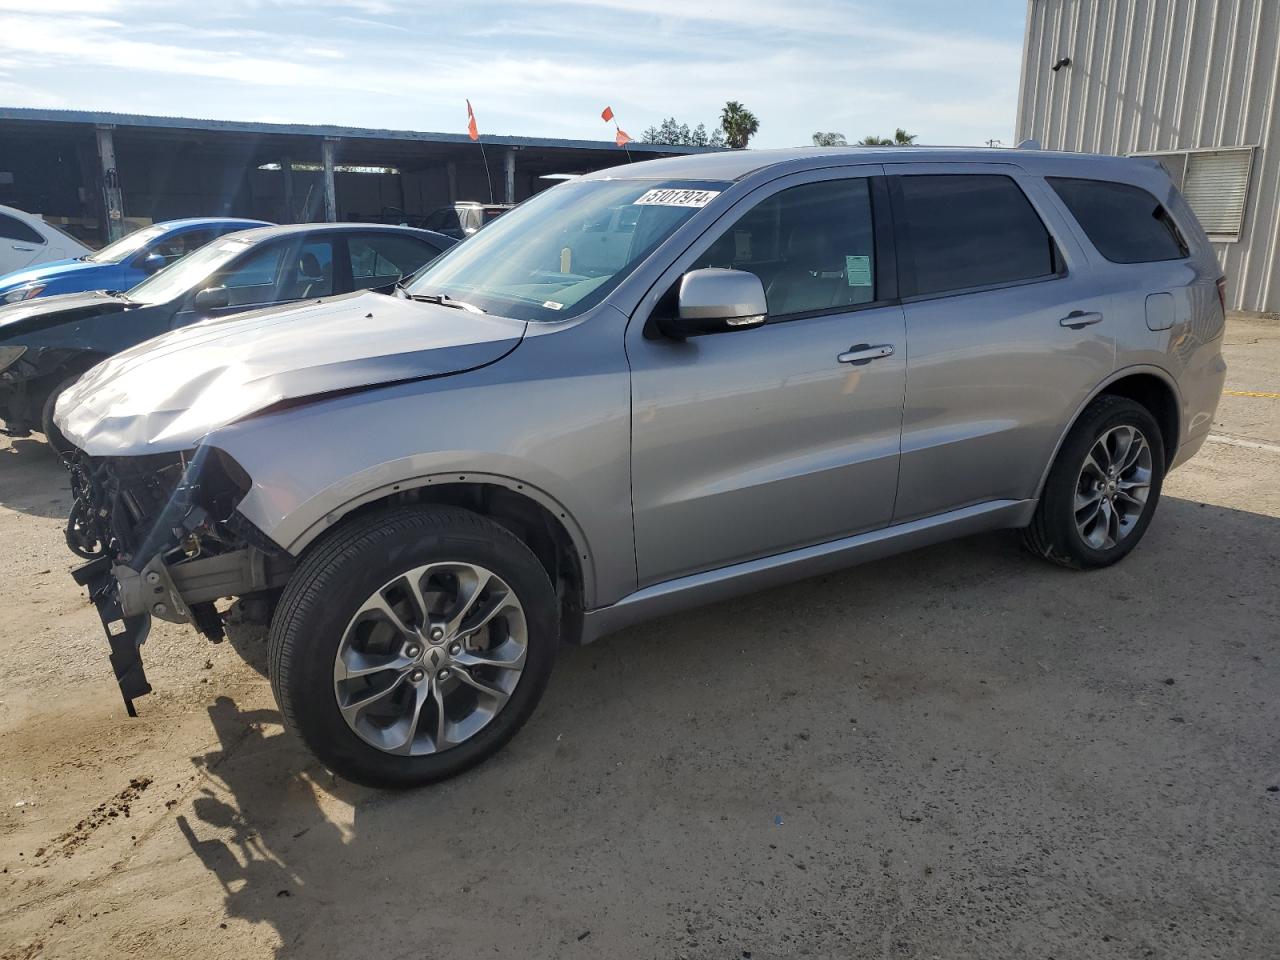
[{"x": 444, "y": 300}]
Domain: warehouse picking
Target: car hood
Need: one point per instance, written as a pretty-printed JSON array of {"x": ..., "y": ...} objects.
[
  {"x": 44, "y": 312},
  {"x": 167, "y": 393},
  {"x": 49, "y": 271}
]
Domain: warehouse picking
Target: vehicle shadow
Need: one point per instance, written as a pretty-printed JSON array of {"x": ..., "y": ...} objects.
[
  {"x": 638, "y": 799},
  {"x": 32, "y": 481}
]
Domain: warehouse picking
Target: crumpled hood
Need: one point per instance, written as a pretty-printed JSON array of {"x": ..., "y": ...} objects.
[
  {"x": 52, "y": 270},
  {"x": 165, "y": 394},
  {"x": 44, "y": 312}
]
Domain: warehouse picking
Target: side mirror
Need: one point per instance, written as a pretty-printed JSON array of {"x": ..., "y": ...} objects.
[
  {"x": 717, "y": 301},
  {"x": 153, "y": 262},
  {"x": 212, "y": 298}
]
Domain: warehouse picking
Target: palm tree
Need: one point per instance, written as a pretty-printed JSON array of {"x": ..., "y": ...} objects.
[
  {"x": 832, "y": 139},
  {"x": 739, "y": 124},
  {"x": 900, "y": 138}
]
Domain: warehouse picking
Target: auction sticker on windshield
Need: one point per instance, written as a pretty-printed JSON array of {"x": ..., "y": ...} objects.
[{"x": 677, "y": 198}]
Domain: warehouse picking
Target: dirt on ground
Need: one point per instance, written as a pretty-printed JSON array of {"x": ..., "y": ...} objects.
[{"x": 959, "y": 752}]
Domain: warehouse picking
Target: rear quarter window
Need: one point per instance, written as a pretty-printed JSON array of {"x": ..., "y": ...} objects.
[{"x": 1125, "y": 223}]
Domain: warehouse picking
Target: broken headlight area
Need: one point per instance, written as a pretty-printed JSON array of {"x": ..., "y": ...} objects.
[{"x": 163, "y": 538}]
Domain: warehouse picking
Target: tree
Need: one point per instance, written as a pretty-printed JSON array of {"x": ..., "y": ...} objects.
[
  {"x": 829, "y": 139},
  {"x": 680, "y": 135},
  {"x": 900, "y": 139},
  {"x": 739, "y": 124}
]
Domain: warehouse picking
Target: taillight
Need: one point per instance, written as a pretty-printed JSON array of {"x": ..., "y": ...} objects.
[{"x": 1222, "y": 293}]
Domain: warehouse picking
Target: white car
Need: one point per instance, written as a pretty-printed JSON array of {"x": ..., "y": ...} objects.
[{"x": 26, "y": 240}]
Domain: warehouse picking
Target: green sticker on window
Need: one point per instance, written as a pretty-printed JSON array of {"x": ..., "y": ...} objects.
[{"x": 857, "y": 271}]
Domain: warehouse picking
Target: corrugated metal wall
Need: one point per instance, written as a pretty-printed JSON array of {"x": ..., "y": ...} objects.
[{"x": 1156, "y": 75}]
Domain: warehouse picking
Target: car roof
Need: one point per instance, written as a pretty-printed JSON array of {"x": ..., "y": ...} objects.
[
  {"x": 738, "y": 164},
  {"x": 209, "y": 222},
  {"x": 259, "y": 234}
]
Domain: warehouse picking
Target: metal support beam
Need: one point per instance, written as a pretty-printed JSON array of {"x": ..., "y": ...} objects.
[
  {"x": 112, "y": 198},
  {"x": 510, "y": 163},
  {"x": 451, "y": 170},
  {"x": 286, "y": 170},
  {"x": 330, "y": 187}
]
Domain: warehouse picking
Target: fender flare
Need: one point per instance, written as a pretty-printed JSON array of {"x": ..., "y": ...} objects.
[
  {"x": 553, "y": 506},
  {"x": 1116, "y": 375}
]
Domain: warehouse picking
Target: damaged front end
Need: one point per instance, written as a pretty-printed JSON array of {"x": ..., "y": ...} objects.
[{"x": 163, "y": 539}]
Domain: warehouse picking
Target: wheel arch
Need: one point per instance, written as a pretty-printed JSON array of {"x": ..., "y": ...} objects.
[
  {"x": 528, "y": 512},
  {"x": 1148, "y": 385}
]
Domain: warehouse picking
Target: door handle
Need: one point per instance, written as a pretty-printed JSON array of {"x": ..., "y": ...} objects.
[
  {"x": 862, "y": 353},
  {"x": 22, "y": 248},
  {"x": 1078, "y": 319}
]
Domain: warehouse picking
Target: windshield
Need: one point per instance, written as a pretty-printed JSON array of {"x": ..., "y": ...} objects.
[
  {"x": 187, "y": 273},
  {"x": 126, "y": 246},
  {"x": 565, "y": 249}
]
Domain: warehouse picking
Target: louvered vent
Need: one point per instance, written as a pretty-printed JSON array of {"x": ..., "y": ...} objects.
[{"x": 1216, "y": 185}]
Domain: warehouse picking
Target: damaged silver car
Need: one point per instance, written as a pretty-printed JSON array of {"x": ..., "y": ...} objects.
[{"x": 645, "y": 389}]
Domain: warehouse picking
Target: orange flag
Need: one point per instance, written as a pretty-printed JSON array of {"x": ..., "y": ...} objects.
[
  {"x": 472, "y": 130},
  {"x": 622, "y": 139},
  {"x": 606, "y": 114}
]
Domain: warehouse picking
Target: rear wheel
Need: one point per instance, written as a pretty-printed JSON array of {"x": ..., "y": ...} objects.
[
  {"x": 1103, "y": 488},
  {"x": 413, "y": 644}
]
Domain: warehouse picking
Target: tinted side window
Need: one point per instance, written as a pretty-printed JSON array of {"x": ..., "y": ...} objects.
[
  {"x": 12, "y": 228},
  {"x": 175, "y": 247},
  {"x": 378, "y": 261},
  {"x": 970, "y": 230},
  {"x": 812, "y": 246},
  {"x": 310, "y": 274},
  {"x": 1125, "y": 223},
  {"x": 252, "y": 280}
]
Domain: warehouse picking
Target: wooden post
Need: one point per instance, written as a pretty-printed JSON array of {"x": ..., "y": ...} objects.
[
  {"x": 286, "y": 170},
  {"x": 330, "y": 187}
]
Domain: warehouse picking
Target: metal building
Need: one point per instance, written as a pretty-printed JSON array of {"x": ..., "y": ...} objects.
[
  {"x": 1194, "y": 83},
  {"x": 100, "y": 174}
]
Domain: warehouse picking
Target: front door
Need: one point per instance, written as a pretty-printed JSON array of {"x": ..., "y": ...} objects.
[{"x": 758, "y": 441}]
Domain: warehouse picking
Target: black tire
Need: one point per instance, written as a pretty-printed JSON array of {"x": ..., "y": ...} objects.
[
  {"x": 339, "y": 574},
  {"x": 57, "y": 442},
  {"x": 1053, "y": 533}
]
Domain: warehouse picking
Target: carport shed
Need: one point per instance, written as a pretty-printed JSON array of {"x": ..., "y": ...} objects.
[{"x": 99, "y": 174}]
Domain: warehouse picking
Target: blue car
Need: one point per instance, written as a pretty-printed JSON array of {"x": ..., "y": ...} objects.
[{"x": 120, "y": 265}]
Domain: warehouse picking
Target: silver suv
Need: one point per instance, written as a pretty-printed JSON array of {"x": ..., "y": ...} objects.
[{"x": 645, "y": 389}]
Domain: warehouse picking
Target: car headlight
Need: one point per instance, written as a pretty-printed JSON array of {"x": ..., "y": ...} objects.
[
  {"x": 9, "y": 355},
  {"x": 23, "y": 293}
]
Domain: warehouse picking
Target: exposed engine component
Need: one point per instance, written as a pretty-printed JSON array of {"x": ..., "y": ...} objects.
[{"x": 163, "y": 539}]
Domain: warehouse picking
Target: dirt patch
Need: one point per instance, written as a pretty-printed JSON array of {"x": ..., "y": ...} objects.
[{"x": 118, "y": 807}]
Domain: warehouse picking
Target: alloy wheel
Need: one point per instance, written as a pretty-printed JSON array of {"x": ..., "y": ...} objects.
[
  {"x": 430, "y": 658},
  {"x": 1112, "y": 489}
]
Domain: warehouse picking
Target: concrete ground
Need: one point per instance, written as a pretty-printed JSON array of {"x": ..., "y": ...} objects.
[{"x": 961, "y": 752}]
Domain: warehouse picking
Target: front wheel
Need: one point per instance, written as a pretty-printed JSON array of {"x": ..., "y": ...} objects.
[
  {"x": 412, "y": 644},
  {"x": 1103, "y": 488}
]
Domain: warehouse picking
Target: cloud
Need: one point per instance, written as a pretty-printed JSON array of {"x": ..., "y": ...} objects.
[{"x": 537, "y": 71}]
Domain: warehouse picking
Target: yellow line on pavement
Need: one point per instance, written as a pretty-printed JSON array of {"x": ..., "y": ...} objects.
[{"x": 1251, "y": 393}]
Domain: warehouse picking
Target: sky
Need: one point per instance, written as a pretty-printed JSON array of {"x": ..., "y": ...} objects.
[{"x": 942, "y": 69}]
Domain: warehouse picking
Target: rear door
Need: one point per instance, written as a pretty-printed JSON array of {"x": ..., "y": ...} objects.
[
  {"x": 20, "y": 244},
  {"x": 1007, "y": 332},
  {"x": 755, "y": 442}
]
